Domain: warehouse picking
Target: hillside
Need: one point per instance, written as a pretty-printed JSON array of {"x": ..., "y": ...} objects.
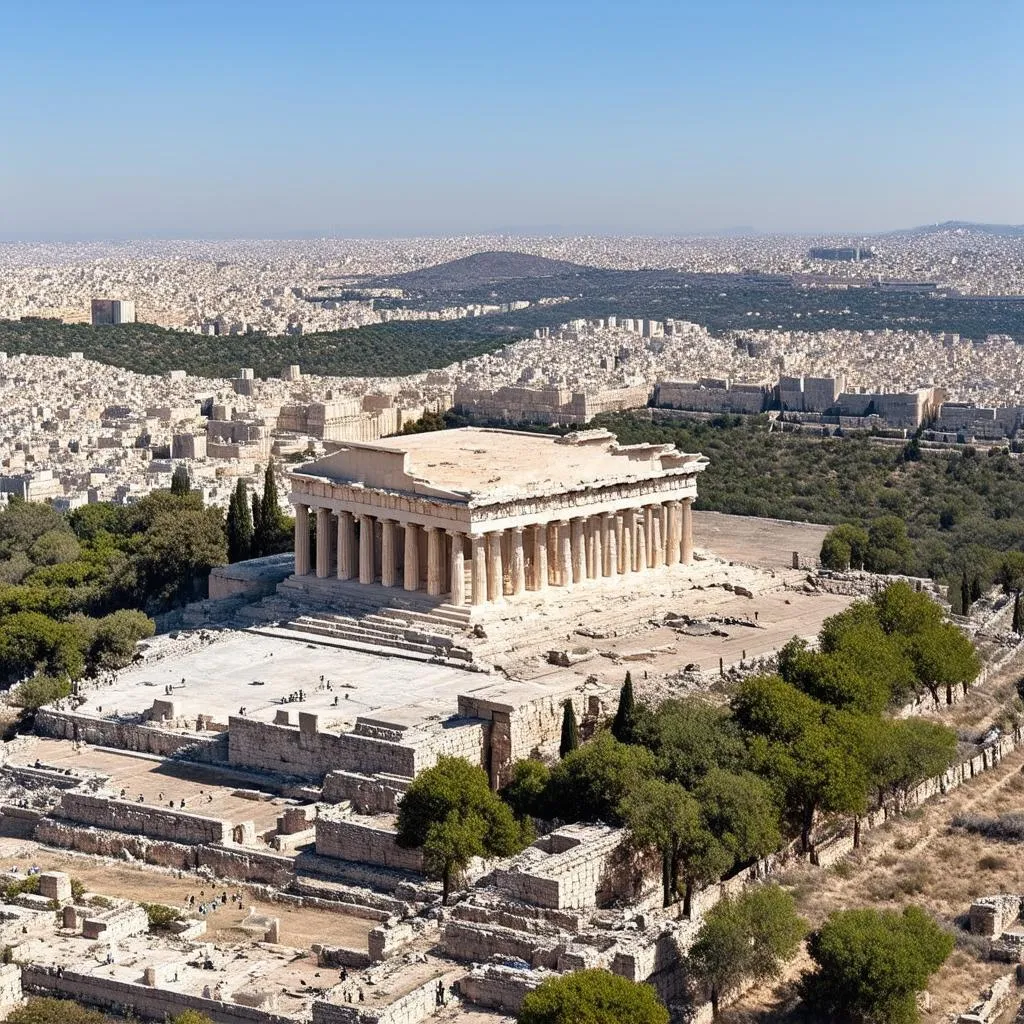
[{"x": 481, "y": 268}]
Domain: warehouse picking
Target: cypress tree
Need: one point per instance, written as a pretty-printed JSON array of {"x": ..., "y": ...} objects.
[
  {"x": 965, "y": 595},
  {"x": 270, "y": 513},
  {"x": 1017, "y": 623},
  {"x": 231, "y": 528},
  {"x": 622, "y": 727},
  {"x": 180, "y": 483},
  {"x": 570, "y": 730},
  {"x": 244, "y": 520},
  {"x": 975, "y": 589},
  {"x": 257, "y": 526}
]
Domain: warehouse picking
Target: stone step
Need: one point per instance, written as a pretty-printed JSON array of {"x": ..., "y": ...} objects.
[
  {"x": 391, "y": 632},
  {"x": 349, "y": 644},
  {"x": 363, "y": 636}
]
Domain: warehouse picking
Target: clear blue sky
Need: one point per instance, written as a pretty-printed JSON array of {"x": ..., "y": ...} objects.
[{"x": 174, "y": 118}]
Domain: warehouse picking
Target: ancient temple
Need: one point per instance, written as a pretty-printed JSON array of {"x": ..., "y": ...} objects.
[{"x": 481, "y": 516}]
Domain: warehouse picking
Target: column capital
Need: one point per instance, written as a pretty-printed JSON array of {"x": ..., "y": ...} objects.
[
  {"x": 674, "y": 503},
  {"x": 456, "y": 533},
  {"x": 517, "y": 529},
  {"x": 474, "y": 537}
]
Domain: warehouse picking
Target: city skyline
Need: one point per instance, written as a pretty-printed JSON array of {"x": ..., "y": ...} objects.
[{"x": 191, "y": 121}]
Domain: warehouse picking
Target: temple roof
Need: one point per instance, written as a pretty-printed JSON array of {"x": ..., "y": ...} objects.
[{"x": 483, "y": 465}]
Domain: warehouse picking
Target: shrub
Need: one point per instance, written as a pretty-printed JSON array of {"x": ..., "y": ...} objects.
[
  {"x": 160, "y": 916},
  {"x": 40, "y": 1010}
]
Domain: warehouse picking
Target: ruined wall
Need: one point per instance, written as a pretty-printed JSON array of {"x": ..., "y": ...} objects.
[
  {"x": 293, "y": 751},
  {"x": 143, "y": 1001},
  {"x": 239, "y": 863},
  {"x": 145, "y": 739},
  {"x": 415, "y": 1006},
  {"x": 144, "y": 819},
  {"x": 377, "y": 794},
  {"x": 348, "y": 839}
]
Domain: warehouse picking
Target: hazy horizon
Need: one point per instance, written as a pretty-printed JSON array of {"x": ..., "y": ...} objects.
[{"x": 189, "y": 121}]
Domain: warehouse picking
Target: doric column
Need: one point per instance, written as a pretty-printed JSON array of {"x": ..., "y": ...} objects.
[
  {"x": 595, "y": 565},
  {"x": 346, "y": 546},
  {"x": 301, "y": 540},
  {"x": 478, "y": 593},
  {"x": 639, "y": 541},
  {"x": 411, "y": 570},
  {"x": 323, "y": 542},
  {"x": 388, "y": 553},
  {"x": 458, "y": 567},
  {"x": 495, "y": 570},
  {"x": 686, "y": 524},
  {"x": 367, "y": 570},
  {"x": 564, "y": 554},
  {"x": 540, "y": 557},
  {"x": 609, "y": 544},
  {"x": 517, "y": 563},
  {"x": 551, "y": 542},
  {"x": 657, "y": 547},
  {"x": 626, "y": 548},
  {"x": 674, "y": 537},
  {"x": 435, "y": 570},
  {"x": 648, "y": 517},
  {"x": 579, "y": 551}
]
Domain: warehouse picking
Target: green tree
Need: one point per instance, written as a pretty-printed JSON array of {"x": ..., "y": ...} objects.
[
  {"x": 943, "y": 659},
  {"x": 844, "y": 547},
  {"x": 622, "y": 726},
  {"x": 526, "y": 791},
  {"x": 450, "y": 811},
  {"x": 590, "y": 783},
  {"x": 191, "y": 1017},
  {"x": 274, "y": 537},
  {"x": 22, "y": 523},
  {"x": 38, "y": 691},
  {"x": 44, "y": 1010},
  {"x": 181, "y": 484},
  {"x": 749, "y": 937},
  {"x": 239, "y": 527},
  {"x": 889, "y": 550},
  {"x": 870, "y": 965},
  {"x": 689, "y": 738},
  {"x": 31, "y": 642},
  {"x": 115, "y": 637},
  {"x": 903, "y": 753},
  {"x": 570, "y": 730},
  {"x": 258, "y": 533},
  {"x": 591, "y": 997},
  {"x": 662, "y": 816},
  {"x": 740, "y": 809},
  {"x": 54, "y": 547}
]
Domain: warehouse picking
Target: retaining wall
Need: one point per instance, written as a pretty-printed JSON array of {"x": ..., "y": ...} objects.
[
  {"x": 144, "y": 819},
  {"x": 347, "y": 839},
  {"x": 146, "y": 739},
  {"x": 142, "y": 1000}
]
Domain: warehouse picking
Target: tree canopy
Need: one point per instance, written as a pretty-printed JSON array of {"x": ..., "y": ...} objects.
[
  {"x": 591, "y": 997},
  {"x": 870, "y": 964}
]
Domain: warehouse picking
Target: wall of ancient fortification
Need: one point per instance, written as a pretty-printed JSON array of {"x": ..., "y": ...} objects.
[
  {"x": 144, "y": 819},
  {"x": 365, "y": 843}
]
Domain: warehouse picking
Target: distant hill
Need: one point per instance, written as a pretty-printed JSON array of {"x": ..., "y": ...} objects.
[
  {"x": 969, "y": 227},
  {"x": 482, "y": 268}
]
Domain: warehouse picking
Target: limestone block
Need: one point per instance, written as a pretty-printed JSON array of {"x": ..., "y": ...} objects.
[{"x": 55, "y": 885}]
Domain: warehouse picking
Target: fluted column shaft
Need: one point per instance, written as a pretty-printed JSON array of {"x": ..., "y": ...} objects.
[
  {"x": 517, "y": 564},
  {"x": 626, "y": 551},
  {"x": 367, "y": 570},
  {"x": 674, "y": 540},
  {"x": 478, "y": 588},
  {"x": 579, "y": 551},
  {"x": 657, "y": 547},
  {"x": 458, "y": 568},
  {"x": 323, "y": 542},
  {"x": 540, "y": 557},
  {"x": 639, "y": 542},
  {"x": 301, "y": 540},
  {"x": 565, "y": 554},
  {"x": 435, "y": 571},
  {"x": 495, "y": 570},
  {"x": 388, "y": 553},
  {"x": 609, "y": 544},
  {"x": 686, "y": 518},
  {"x": 595, "y": 563},
  {"x": 411, "y": 564},
  {"x": 346, "y": 546}
]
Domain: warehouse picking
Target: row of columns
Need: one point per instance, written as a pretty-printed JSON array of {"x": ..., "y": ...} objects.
[{"x": 502, "y": 563}]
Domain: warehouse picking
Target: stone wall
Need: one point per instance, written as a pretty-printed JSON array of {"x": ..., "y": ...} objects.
[
  {"x": 295, "y": 751},
  {"x": 241, "y": 864},
  {"x": 142, "y": 1000},
  {"x": 500, "y": 988},
  {"x": 415, "y": 1006},
  {"x": 369, "y": 794},
  {"x": 365, "y": 842},
  {"x": 144, "y": 819},
  {"x": 145, "y": 739}
]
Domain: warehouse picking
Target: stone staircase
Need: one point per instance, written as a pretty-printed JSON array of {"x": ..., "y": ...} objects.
[{"x": 358, "y": 618}]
